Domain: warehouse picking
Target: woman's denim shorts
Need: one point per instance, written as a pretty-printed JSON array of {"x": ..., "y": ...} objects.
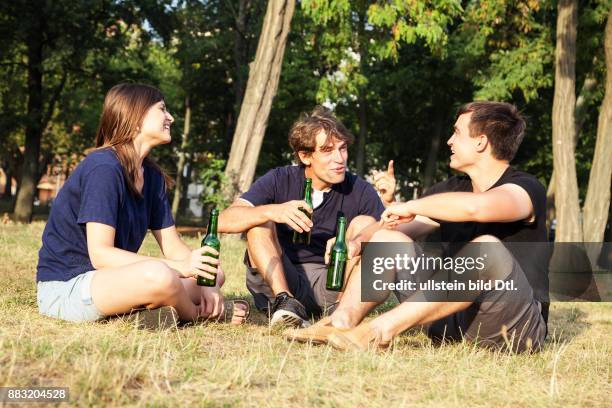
[{"x": 70, "y": 300}]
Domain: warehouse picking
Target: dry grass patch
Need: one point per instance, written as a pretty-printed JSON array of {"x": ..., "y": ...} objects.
[{"x": 114, "y": 364}]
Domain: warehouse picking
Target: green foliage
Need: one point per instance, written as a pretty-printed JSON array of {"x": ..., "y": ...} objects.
[
  {"x": 526, "y": 68},
  {"x": 411, "y": 62},
  {"x": 506, "y": 47},
  {"x": 354, "y": 36},
  {"x": 409, "y": 21},
  {"x": 87, "y": 48},
  {"x": 211, "y": 174}
]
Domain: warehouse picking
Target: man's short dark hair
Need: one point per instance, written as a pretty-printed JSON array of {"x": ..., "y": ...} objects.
[
  {"x": 501, "y": 122},
  {"x": 303, "y": 133}
]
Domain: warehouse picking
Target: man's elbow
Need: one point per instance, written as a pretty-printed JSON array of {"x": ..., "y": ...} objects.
[
  {"x": 484, "y": 213},
  {"x": 223, "y": 223},
  {"x": 474, "y": 211}
]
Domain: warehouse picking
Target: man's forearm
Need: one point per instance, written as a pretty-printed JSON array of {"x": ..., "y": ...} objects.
[
  {"x": 415, "y": 229},
  {"x": 366, "y": 234},
  {"x": 236, "y": 219},
  {"x": 453, "y": 207}
]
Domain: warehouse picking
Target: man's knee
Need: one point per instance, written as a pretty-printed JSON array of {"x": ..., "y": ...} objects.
[
  {"x": 498, "y": 261},
  {"x": 486, "y": 238},
  {"x": 386, "y": 235},
  {"x": 261, "y": 234},
  {"x": 262, "y": 230},
  {"x": 262, "y": 239},
  {"x": 358, "y": 224}
]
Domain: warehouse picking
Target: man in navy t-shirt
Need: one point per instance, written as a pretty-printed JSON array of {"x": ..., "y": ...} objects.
[
  {"x": 289, "y": 279},
  {"x": 499, "y": 210}
]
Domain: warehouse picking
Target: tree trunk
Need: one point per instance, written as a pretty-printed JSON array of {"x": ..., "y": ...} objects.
[
  {"x": 584, "y": 97},
  {"x": 184, "y": 200},
  {"x": 240, "y": 52},
  {"x": 178, "y": 186},
  {"x": 586, "y": 94},
  {"x": 33, "y": 131},
  {"x": 432, "y": 157},
  {"x": 550, "y": 202},
  {"x": 261, "y": 88},
  {"x": 363, "y": 133},
  {"x": 14, "y": 165},
  {"x": 563, "y": 124},
  {"x": 241, "y": 56},
  {"x": 8, "y": 185},
  {"x": 597, "y": 200}
]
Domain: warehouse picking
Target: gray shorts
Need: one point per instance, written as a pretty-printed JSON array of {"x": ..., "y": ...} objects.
[
  {"x": 70, "y": 300},
  {"x": 306, "y": 282},
  {"x": 496, "y": 319}
]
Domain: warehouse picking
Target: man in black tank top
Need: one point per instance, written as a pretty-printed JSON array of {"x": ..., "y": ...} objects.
[{"x": 491, "y": 203}]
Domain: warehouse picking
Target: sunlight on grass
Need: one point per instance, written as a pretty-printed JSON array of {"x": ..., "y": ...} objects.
[{"x": 113, "y": 363}]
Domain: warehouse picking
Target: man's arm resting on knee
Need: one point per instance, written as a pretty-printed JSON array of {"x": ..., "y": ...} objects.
[
  {"x": 241, "y": 216},
  {"x": 506, "y": 203},
  {"x": 416, "y": 229}
]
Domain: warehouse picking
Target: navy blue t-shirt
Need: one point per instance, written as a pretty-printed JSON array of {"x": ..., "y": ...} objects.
[
  {"x": 97, "y": 192},
  {"x": 353, "y": 197}
]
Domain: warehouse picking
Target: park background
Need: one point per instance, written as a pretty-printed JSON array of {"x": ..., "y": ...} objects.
[{"x": 236, "y": 74}]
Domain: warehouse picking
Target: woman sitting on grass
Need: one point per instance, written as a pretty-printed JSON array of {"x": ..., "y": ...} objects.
[{"x": 88, "y": 265}]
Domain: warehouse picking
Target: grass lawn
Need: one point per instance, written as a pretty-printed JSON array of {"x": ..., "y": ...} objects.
[{"x": 113, "y": 363}]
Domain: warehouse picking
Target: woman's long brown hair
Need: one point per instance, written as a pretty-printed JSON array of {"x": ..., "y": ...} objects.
[{"x": 125, "y": 107}]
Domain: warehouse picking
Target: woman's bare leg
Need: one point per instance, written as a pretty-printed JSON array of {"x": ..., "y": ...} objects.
[
  {"x": 148, "y": 283},
  {"x": 195, "y": 294}
]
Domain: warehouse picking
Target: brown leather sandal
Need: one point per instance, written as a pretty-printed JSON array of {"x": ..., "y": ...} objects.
[{"x": 230, "y": 307}]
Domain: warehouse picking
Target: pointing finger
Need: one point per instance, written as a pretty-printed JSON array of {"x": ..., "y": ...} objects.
[{"x": 390, "y": 168}]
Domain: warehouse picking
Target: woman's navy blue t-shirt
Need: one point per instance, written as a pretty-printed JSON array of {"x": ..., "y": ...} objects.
[{"x": 97, "y": 192}]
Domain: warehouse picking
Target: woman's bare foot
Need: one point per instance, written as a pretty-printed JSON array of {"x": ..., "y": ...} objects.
[{"x": 240, "y": 312}]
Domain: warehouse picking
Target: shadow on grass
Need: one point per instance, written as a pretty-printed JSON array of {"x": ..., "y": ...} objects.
[
  {"x": 566, "y": 322},
  {"x": 261, "y": 318}
]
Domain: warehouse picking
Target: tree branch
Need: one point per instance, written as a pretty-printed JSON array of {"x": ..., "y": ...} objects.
[{"x": 56, "y": 94}]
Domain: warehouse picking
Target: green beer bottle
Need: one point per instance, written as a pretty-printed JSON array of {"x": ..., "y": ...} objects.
[
  {"x": 337, "y": 258},
  {"x": 212, "y": 240},
  {"x": 304, "y": 237}
]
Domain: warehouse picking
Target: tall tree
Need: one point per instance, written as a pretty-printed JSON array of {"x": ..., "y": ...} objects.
[
  {"x": 34, "y": 127},
  {"x": 567, "y": 118},
  {"x": 597, "y": 202},
  {"x": 245, "y": 16},
  {"x": 261, "y": 88},
  {"x": 56, "y": 38},
  {"x": 12, "y": 104},
  {"x": 563, "y": 125},
  {"x": 356, "y": 36}
]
